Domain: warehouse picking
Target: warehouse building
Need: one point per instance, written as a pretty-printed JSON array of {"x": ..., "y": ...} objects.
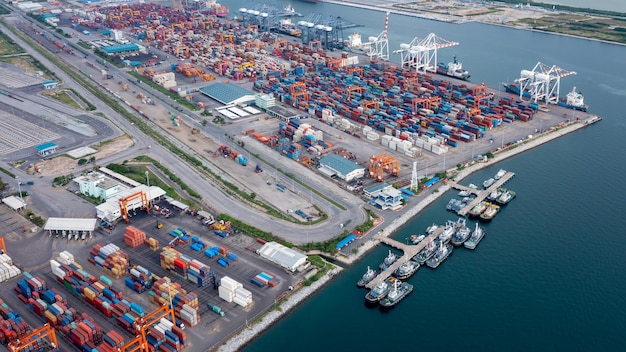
[
  {"x": 97, "y": 185},
  {"x": 283, "y": 256},
  {"x": 335, "y": 165},
  {"x": 46, "y": 149},
  {"x": 77, "y": 227}
]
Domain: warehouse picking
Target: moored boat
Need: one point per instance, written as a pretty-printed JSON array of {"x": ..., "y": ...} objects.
[
  {"x": 396, "y": 294},
  {"x": 389, "y": 259},
  {"x": 487, "y": 183},
  {"x": 465, "y": 193},
  {"x": 490, "y": 212},
  {"x": 506, "y": 197},
  {"x": 493, "y": 195},
  {"x": 574, "y": 100},
  {"x": 379, "y": 291},
  {"x": 415, "y": 239},
  {"x": 432, "y": 228},
  {"x": 500, "y": 174},
  {"x": 447, "y": 232},
  {"x": 453, "y": 69},
  {"x": 406, "y": 270},
  {"x": 366, "y": 278},
  {"x": 477, "y": 210},
  {"x": 461, "y": 235},
  {"x": 475, "y": 238},
  {"x": 426, "y": 253},
  {"x": 441, "y": 254}
]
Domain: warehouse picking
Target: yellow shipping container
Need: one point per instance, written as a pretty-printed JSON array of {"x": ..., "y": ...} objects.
[
  {"x": 89, "y": 293},
  {"x": 50, "y": 317}
]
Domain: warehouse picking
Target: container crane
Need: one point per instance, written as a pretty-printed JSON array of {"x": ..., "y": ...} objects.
[
  {"x": 3, "y": 248},
  {"x": 142, "y": 324},
  {"x": 542, "y": 83},
  {"x": 383, "y": 163},
  {"x": 378, "y": 47},
  {"x": 126, "y": 201},
  {"x": 421, "y": 54},
  {"x": 35, "y": 340}
]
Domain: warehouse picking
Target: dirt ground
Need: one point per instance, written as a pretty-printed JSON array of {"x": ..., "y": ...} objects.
[{"x": 63, "y": 165}]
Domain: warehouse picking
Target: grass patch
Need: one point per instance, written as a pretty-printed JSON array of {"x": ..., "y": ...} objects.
[
  {"x": 7, "y": 172},
  {"x": 8, "y": 46},
  {"x": 63, "y": 97}
]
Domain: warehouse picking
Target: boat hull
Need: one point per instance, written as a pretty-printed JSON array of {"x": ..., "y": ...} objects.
[
  {"x": 575, "y": 107},
  {"x": 388, "y": 304}
]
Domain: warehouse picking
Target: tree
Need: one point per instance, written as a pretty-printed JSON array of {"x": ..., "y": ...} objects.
[{"x": 82, "y": 161}]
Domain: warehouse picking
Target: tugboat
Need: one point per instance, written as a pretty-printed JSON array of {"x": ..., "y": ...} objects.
[
  {"x": 461, "y": 235},
  {"x": 447, "y": 232},
  {"x": 366, "y": 278},
  {"x": 490, "y": 212},
  {"x": 396, "y": 294},
  {"x": 406, "y": 270},
  {"x": 493, "y": 195},
  {"x": 426, "y": 253},
  {"x": 389, "y": 259},
  {"x": 477, "y": 210},
  {"x": 506, "y": 197},
  {"x": 475, "y": 238},
  {"x": 379, "y": 291},
  {"x": 441, "y": 254},
  {"x": 415, "y": 239}
]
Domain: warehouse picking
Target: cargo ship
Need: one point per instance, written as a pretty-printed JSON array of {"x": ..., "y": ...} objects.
[
  {"x": 216, "y": 9},
  {"x": 285, "y": 26},
  {"x": 397, "y": 293},
  {"x": 574, "y": 100},
  {"x": 453, "y": 69},
  {"x": 515, "y": 89}
]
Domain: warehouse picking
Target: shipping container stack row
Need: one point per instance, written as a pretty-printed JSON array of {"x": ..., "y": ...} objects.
[
  {"x": 233, "y": 291},
  {"x": 224, "y": 257},
  {"x": 7, "y": 269},
  {"x": 263, "y": 279},
  {"x": 197, "y": 244},
  {"x": 99, "y": 293},
  {"x": 181, "y": 234},
  {"x": 52, "y": 307},
  {"x": 134, "y": 237},
  {"x": 186, "y": 267},
  {"x": 12, "y": 326},
  {"x": 140, "y": 279},
  {"x": 153, "y": 244},
  {"x": 165, "y": 336},
  {"x": 111, "y": 258},
  {"x": 185, "y": 304}
]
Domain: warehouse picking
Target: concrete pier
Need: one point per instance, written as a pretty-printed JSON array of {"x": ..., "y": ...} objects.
[
  {"x": 480, "y": 195},
  {"x": 410, "y": 250}
]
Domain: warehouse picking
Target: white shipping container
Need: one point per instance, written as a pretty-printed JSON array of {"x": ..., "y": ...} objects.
[
  {"x": 367, "y": 129},
  {"x": 168, "y": 324},
  {"x": 160, "y": 328},
  {"x": 242, "y": 302},
  {"x": 243, "y": 293},
  {"x": 392, "y": 145},
  {"x": 228, "y": 296},
  {"x": 229, "y": 283}
]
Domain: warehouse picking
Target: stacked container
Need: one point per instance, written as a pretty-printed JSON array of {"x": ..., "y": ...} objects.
[
  {"x": 186, "y": 267},
  {"x": 12, "y": 326},
  {"x": 110, "y": 258},
  {"x": 165, "y": 336},
  {"x": 185, "y": 304},
  {"x": 7, "y": 269},
  {"x": 134, "y": 237},
  {"x": 30, "y": 285},
  {"x": 140, "y": 279},
  {"x": 152, "y": 243},
  {"x": 233, "y": 291}
]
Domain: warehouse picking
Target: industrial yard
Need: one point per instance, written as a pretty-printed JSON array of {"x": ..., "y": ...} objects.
[{"x": 317, "y": 135}]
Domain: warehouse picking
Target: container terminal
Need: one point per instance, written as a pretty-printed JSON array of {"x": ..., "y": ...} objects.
[{"x": 405, "y": 110}]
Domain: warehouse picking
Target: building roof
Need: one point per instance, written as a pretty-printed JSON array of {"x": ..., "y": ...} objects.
[
  {"x": 340, "y": 164},
  {"x": 70, "y": 224},
  {"x": 179, "y": 205},
  {"x": 111, "y": 206},
  {"x": 282, "y": 255},
  {"x": 226, "y": 93},
  {"x": 377, "y": 187},
  {"x": 14, "y": 202},
  {"x": 45, "y": 146},
  {"x": 48, "y": 83},
  {"x": 113, "y": 49}
]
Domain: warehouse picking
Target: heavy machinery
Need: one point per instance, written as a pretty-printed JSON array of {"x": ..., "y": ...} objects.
[
  {"x": 131, "y": 201},
  {"x": 42, "y": 339}
]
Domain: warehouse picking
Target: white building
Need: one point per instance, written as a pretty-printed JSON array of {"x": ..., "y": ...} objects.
[
  {"x": 97, "y": 185},
  {"x": 110, "y": 210},
  {"x": 335, "y": 165},
  {"x": 281, "y": 255}
]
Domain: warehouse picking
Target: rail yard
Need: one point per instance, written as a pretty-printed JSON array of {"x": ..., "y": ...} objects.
[{"x": 306, "y": 127}]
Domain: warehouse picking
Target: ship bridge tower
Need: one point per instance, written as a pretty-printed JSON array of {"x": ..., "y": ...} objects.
[
  {"x": 542, "y": 83},
  {"x": 421, "y": 54}
]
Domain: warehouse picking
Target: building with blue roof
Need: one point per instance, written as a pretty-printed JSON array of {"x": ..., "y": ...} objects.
[
  {"x": 228, "y": 93},
  {"x": 130, "y": 48},
  {"x": 335, "y": 165},
  {"x": 49, "y": 84},
  {"x": 46, "y": 149}
]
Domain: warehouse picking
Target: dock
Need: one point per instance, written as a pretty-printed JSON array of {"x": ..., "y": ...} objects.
[
  {"x": 480, "y": 195},
  {"x": 410, "y": 250}
]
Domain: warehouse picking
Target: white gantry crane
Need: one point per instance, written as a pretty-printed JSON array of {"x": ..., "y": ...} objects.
[
  {"x": 421, "y": 54},
  {"x": 379, "y": 46},
  {"x": 542, "y": 83}
]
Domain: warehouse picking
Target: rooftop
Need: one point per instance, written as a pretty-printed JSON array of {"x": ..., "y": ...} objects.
[
  {"x": 226, "y": 93},
  {"x": 113, "y": 49},
  {"x": 70, "y": 224},
  {"x": 340, "y": 164},
  {"x": 45, "y": 146}
]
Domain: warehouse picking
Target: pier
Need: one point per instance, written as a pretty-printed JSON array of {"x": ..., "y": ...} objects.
[
  {"x": 410, "y": 250},
  {"x": 480, "y": 195}
]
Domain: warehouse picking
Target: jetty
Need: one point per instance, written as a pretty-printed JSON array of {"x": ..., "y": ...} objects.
[
  {"x": 410, "y": 250},
  {"x": 480, "y": 195}
]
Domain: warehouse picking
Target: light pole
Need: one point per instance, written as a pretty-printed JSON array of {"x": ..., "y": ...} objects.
[
  {"x": 148, "y": 180},
  {"x": 19, "y": 188}
]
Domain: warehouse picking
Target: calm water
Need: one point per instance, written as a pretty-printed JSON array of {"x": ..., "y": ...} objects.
[{"x": 548, "y": 276}]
